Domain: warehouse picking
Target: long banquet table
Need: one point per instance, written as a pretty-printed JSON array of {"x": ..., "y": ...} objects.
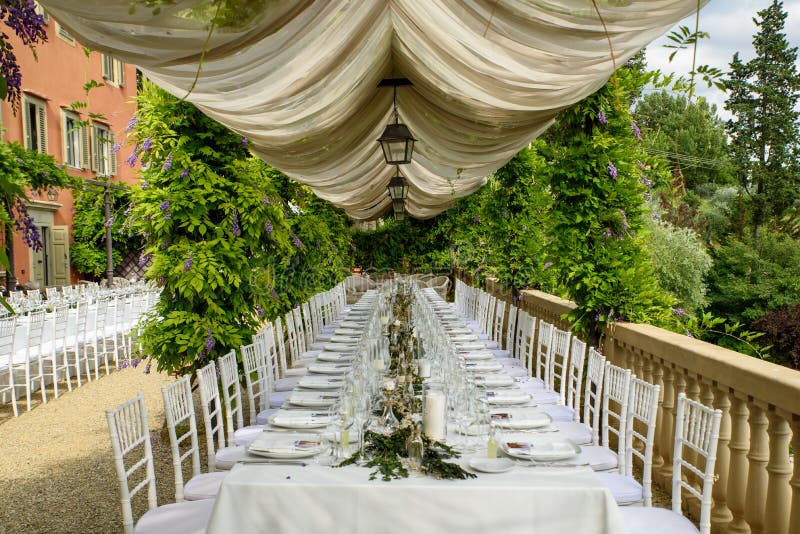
[{"x": 291, "y": 497}]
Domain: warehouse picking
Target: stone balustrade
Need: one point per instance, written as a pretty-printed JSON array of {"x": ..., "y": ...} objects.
[{"x": 758, "y": 486}]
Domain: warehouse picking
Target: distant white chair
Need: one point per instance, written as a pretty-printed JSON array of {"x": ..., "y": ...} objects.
[
  {"x": 696, "y": 428},
  {"x": 238, "y": 434},
  {"x": 179, "y": 411},
  {"x": 56, "y": 347},
  {"x": 220, "y": 456},
  {"x": 130, "y": 436},
  {"x": 616, "y": 392},
  {"x": 258, "y": 384},
  {"x": 7, "y": 331},
  {"x": 570, "y": 410},
  {"x": 643, "y": 410},
  {"x": 541, "y": 369},
  {"x": 33, "y": 353},
  {"x": 588, "y": 431}
]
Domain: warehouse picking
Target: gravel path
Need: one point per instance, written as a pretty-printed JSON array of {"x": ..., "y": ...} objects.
[{"x": 56, "y": 466}]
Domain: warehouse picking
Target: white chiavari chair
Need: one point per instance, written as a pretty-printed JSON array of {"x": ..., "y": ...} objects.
[
  {"x": 616, "y": 393},
  {"x": 130, "y": 438},
  {"x": 570, "y": 410},
  {"x": 696, "y": 429},
  {"x": 280, "y": 343},
  {"x": 257, "y": 381},
  {"x": 639, "y": 440},
  {"x": 33, "y": 353},
  {"x": 75, "y": 339},
  {"x": 7, "y": 338},
  {"x": 180, "y": 416},
  {"x": 238, "y": 434},
  {"x": 220, "y": 456},
  {"x": 56, "y": 347},
  {"x": 541, "y": 369}
]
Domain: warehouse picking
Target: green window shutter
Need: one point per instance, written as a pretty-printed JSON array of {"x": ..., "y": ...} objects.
[
  {"x": 113, "y": 166},
  {"x": 41, "y": 116},
  {"x": 84, "y": 162}
]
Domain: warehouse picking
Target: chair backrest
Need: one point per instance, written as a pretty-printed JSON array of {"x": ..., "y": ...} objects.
[
  {"x": 8, "y": 327},
  {"x": 300, "y": 330},
  {"x": 212, "y": 411},
  {"x": 559, "y": 362},
  {"x": 127, "y": 425},
  {"x": 231, "y": 393},
  {"x": 499, "y": 318},
  {"x": 511, "y": 327},
  {"x": 179, "y": 411},
  {"x": 616, "y": 391},
  {"x": 265, "y": 342},
  {"x": 35, "y": 331},
  {"x": 77, "y": 336},
  {"x": 52, "y": 293},
  {"x": 280, "y": 343},
  {"x": 100, "y": 317},
  {"x": 641, "y": 427},
  {"x": 291, "y": 334},
  {"x": 256, "y": 380},
  {"x": 696, "y": 427},
  {"x": 60, "y": 326},
  {"x": 35, "y": 296},
  {"x": 543, "y": 341},
  {"x": 593, "y": 392},
  {"x": 577, "y": 355},
  {"x": 526, "y": 340},
  {"x": 308, "y": 324}
]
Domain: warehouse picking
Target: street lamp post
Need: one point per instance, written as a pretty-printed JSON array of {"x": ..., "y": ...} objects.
[{"x": 106, "y": 188}]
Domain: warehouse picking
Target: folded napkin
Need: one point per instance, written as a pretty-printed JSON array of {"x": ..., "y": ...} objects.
[
  {"x": 469, "y": 346},
  {"x": 460, "y": 338},
  {"x": 507, "y": 397},
  {"x": 542, "y": 448},
  {"x": 299, "y": 418},
  {"x": 285, "y": 443},
  {"x": 334, "y": 357},
  {"x": 496, "y": 381},
  {"x": 520, "y": 418},
  {"x": 328, "y": 368},
  {"x": 320, "y": 382},
  {"x": 312, "y": 398},
  {"x": 487, "y": 365},
  {"x": 339, "y": 347},
  {"x": 336, "y": 338},
  {"x": 477, "y": 355}
]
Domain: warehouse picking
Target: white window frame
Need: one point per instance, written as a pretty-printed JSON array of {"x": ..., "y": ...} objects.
[
  {"x": 40, "y": 126},
  {"x": 64, "y": 34},
  {"x": 43, "y": 12},
  {"x": 112, "y": 69},
  {"x": 76, "y": 141},
  {"x": 104, "y": 160}
]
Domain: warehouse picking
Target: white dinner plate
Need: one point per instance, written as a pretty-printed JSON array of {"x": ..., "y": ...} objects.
[
  {"x": 320, "y": 382},
  {"x": 312, "y": 398},
  {"x": 493, "y": 380},
  {"x": 506, "y": 397},
  {"x": 470, "y": 346},
  {"x": 286, "y": 446},
  {"x": 477, "y": 355},
  {"x": 462, "y": 338},
  {"x": 484, "y": 366},
  {"x": 299, "y": 419},
  {"x": 329, "y": 368},
  {"x": 520, "y": 418},
  {"x": 491, "y": 465},
  {"x": 544, "y": 449},
  {"x": 334, "y": 357},
  {"x": 340, "y": 347}
]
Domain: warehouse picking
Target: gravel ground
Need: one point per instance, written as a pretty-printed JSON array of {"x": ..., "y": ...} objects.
[{"x": 56, "y": 466}]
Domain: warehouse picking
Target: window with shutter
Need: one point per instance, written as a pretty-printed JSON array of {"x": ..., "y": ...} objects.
[
  {"x": 103, "y": 159},
  {"x": 121, "y": 71},
  {"x": 85, "y": 147},
  {"x": 34, "y": 124},
  {"x": 64, "y": 34},
  {"x": 72, "y": 132}
]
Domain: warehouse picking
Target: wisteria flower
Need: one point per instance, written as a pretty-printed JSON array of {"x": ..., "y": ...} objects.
[
  {"x": 237, "y": 230},
  {"x": 612, "y": 171},
  {"x": 646, "y": 181},
  {"x": 637, "y": 133},
  {"x": 647, "y": 196},
  {"x": 245, "y": 142},
  {"x": 608, "y": 233},
  {"x": 132, "y": 122},
  {"x": 679, "y": 311},
  {"x": 624, "y": 220},
  {"x": 547, "y": 265},
  {"x": 209, "y": 346},
  {"x": 168, "y": 162},
  {"x": 265, "y": 201},
  {"x": 296, "y": 241},
  {"x": 147, "y": 368},
  {"x": 109, "y": 222},
  {"x": 131, "y": 160},
  {"x": 164, "y": 207},
  {"x": 274, "y": 294},
  {"x": 689, "y": 334},
  {"x": 147, "y": 144},
  {"x": 655, "y": 216},
  {"x": 640, "y": 164},
  {"x": 187, "y": 264},
  {"x": 143, "y": 259},
  {"x": 268, "y": 227},
  {"x": 184, "y": 173},
  {"x": 259, "y": 310},
  {"x": 601, "y": 117},
  {"x": 115, "y": 148}
]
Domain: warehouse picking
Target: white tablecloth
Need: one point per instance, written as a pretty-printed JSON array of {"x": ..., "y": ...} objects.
[{"x": 279, "y": 499}]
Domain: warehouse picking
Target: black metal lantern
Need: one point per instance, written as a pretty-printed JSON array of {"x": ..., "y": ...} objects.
[
  {"x": 399, "y": 207},
  {"x": 398, "y": 187},
  {"x": 52, "y": 194},
  {"x": 397, "y": 142}
]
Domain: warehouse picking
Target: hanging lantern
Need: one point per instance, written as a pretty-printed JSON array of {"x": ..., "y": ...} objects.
[
  {"x": 397, "y": 142},
  {"x": 399, "y": 207},
  {"x": 398, "y": 187}
]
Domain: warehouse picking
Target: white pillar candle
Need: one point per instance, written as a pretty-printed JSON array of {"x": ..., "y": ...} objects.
[
  {"x": 433, "y": 418},
  {"x": 424, "y": 369},
  {"x": 378, "y": 364}
]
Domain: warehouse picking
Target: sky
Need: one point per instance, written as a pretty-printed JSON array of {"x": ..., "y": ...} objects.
[{"x": 730, "y": 26}]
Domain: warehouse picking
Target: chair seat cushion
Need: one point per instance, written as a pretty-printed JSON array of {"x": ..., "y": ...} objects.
[
  {"x": 264, "y": 415},
  {"x": 641, "y": 519},
  {"x": 501, "y": 353},
  {"x": 287, "y": 383},
  {"x": 317, "y": 346},
  {"x": 246, "y": 434},
  {"x": 516, "y": 372},
  {"x": 227, "y": 457},
  {"x": 577, "y": 432},
  {"x": 277, "y": 398},
  {"x": 625, "y": 489},
  {"x": 312, "y": 353},
  {"x": 559, "y": 412},
  {"x": 542, "y": 396},
  {"x": 177, "y": 518},
  {"x": 491, "y": 344},
  {"x": 204, "y": 486},
  {"x": 296, "y": 371},
  {"x": 509, "y": 361},
  {"x": 532, "y": 383},
  {"x": 599, "y": 457}
]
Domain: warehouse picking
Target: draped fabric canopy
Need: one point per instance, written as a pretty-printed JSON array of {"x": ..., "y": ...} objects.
[{"x": 299, "y": 78}]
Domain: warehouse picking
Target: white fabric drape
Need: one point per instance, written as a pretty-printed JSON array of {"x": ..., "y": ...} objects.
[{"x": 299, "y": 79}]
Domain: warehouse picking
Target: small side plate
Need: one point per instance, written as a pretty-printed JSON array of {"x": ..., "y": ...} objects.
[{"x": 491, "y": 465}]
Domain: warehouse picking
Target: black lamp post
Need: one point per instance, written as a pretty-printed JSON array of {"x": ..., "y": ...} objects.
[{"x": 397, "y": 142}]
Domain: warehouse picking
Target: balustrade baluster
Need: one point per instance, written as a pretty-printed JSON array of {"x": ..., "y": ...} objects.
[
  {"x": 668, "y": 420},
  {"x": 737, "y": 483},
  {"x": 794, "y": 520},
  {"x": 757, "y": 474},
  {"x": 779, "y": 470},
  {"x": 720, "y": 514},
  {"x": 658, "y": 379}
]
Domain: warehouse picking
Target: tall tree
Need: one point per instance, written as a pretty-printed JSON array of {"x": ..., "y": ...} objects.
[
  {"x": 692, "y": 137},
  {"x": 763, "y": 97}
]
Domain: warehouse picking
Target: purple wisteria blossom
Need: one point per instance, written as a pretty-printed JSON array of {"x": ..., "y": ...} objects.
[
  {"x": 268, "y": 227},
  {"x": 164, "y": 207},
  {"x": 132, "y": 122},
  {"x": 624, "y": 220},
  {"x": 655, "y": 216},
  {"x": 147, "y": 367},
  {"x": 475, "y": 220},
  {"x": 237, "y": 230},
  {"x": 127, "y": 211},
  {"x": 259, "y": 310},
  {"x": 689, "y": 334},
  {"x": 187, "y": 264},
  {"x": 505, "y": 214},
  {"x": 143, "y": 260},
  {"x": 601, "y": 117},
  {"x": 647, "y": 196},
  {"x": 547, "y": 265},
  {"x": 640, "y": 164},
  {"x": 266, "y": 201},
  {"x": 168, "y": 162},
  {"x": 245, "y": 142},
  {"x": 184, "y": 173},
  {"x": 21, "y": 16},
  {"x": 646, "y": 181},
  {"x": 115, "y": 147},
  {"x": 109, "y": 222},
  {"x": 612, "y": 171},
  {"x": 24, "y": 223},
  {"x": 131, "y": 160},
  {"x": 296, "y": 241},
  {"x": 274, "y": 294},
  {"x": 147, "y": 144},
  {"x": 607, "y": 234},
  {"x": 637, "y": 133},
  {"x": 209, "y": 346},
  {"x": 679, "y": 311}
]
